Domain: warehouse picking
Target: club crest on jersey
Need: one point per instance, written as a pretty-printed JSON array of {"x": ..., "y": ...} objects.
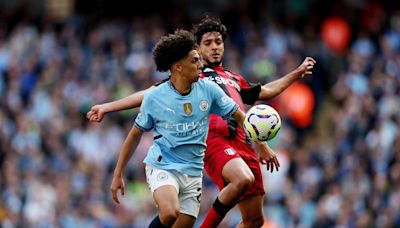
[
  {"x": 230, "y": 151},
  {"x": 203, "y": 105},
  {"x": 187, "y": 108}
]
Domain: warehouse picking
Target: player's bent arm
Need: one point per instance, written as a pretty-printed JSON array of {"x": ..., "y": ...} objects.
[
  {"x": 276, "y": 87},
  {"x": 131, "y": 141},
  {"x": 239, "y": 116},
  {"x": 267, "y": 156}
]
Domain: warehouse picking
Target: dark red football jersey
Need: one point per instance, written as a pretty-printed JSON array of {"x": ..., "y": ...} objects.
[{"x": 241, "y": 91}]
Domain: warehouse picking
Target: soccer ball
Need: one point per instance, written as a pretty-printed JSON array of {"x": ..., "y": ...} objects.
[{"x": 262, "y": 123}]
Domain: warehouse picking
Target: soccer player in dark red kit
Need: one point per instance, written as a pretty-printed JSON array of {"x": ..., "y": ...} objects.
[
  {"x": 229, "y": 159},
  {"x": 229, "y": 155}
]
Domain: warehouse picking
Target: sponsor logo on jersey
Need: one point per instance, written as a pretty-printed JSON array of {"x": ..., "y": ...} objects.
[
  {"x": 230, "y": 151},
  {"x": 203, "y": 105},
  {"x": 224, "y": 81},
  {"x": 187, "y": 126},
  {"x": 187, "y": 108}
]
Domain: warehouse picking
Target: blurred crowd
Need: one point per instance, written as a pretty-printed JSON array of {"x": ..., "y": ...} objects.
[{"x": 341, "y": 171}]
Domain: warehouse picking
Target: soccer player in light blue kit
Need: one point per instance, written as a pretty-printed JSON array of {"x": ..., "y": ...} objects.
[{"x": 178, "y": 112}]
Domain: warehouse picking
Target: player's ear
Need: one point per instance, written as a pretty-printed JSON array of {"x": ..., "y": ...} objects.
[
  {"x": 200, "y": 55},
  {"x": 198, "y": 49},
  {"x": 177, "y": 66}
]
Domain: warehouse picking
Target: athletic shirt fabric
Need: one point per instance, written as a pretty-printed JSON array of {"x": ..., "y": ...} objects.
[
  {"x": 236, "y": 87},
  {"x": 180, "y": 124}
]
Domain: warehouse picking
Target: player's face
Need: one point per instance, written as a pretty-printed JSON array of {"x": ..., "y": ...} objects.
[
  {"x": 212, "y": 48},
  {"x": 191, "y": 66}
]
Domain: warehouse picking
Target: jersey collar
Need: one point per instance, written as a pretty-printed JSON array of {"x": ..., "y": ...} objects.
[
  {"x": 176, "y": 91},
  {"x": 215, "y": 68}
]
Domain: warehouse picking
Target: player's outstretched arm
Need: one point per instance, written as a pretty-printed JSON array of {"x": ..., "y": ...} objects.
[
  {"x": 97, "y": 112},
  {"x": 131, "y": 141},
  {"x": 267, "y": 156},
  {"x": 276, "y": 87}
]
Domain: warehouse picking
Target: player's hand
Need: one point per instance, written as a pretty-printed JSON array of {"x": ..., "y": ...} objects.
[
  {"x": 96, "y": 113},
  {"x": 267, "y": 156},
  {"x": 307, "y": 66},
  {"x": 232, "y": 126},
  {"x": 117, "y": 184}
]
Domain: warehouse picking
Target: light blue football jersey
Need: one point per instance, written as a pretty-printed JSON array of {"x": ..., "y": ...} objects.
[{"x": 180, "y": 124}]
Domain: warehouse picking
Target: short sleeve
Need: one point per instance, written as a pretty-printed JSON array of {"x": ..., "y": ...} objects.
[
  {"x": 144, "y": 120},
  {"x": 248, "y": 91},
  {"x": 223, "y": 105}
]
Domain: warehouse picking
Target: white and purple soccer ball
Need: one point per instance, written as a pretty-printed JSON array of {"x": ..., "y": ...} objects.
[{"x": 262, "y": 123}]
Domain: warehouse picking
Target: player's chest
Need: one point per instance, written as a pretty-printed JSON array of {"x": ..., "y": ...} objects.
[
  {"x": 226, "y": 82},
  {"x": 184, "y": 109}
]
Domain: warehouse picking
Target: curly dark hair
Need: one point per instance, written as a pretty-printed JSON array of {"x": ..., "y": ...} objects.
[
  {"x": 172, "y": 48},
  {"x": 209, "y": 24}
]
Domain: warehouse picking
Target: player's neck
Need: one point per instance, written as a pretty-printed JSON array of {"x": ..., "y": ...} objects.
[
  {"x": 181, "y": 86},
  {"x": 213, "y": 66}
]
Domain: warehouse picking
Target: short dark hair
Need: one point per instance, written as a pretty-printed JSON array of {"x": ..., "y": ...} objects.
[
  {"x": 209, "y": 24},
  {"x": 172, "y": 48}
]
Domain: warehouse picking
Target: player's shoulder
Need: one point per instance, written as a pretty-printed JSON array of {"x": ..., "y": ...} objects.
[
  {"x": 234, "y": 74},
  {"x": 163, "y": 81},
  {"x": 205, "y": 83},
  {"x": 156, "y": 90}
]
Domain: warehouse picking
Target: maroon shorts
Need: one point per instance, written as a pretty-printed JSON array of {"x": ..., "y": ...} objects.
[{"x": 220, "y": 150}]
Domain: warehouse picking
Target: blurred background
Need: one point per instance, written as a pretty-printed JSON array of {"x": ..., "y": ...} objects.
[{"x": 339, "y": 146}]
